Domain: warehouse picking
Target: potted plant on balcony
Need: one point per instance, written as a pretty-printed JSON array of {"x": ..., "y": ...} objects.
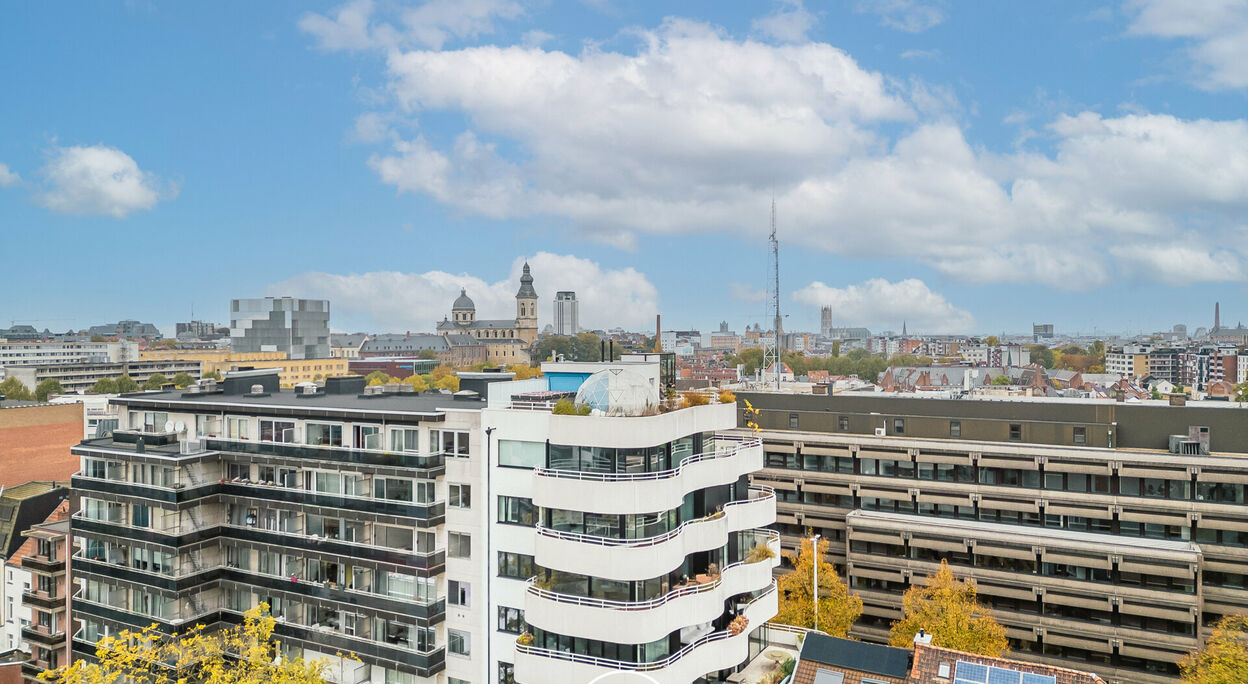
[
  {"x": 525, "y": 639},
  {"x": 760, "y": 552},
  {"x": 738, "y": 625}
]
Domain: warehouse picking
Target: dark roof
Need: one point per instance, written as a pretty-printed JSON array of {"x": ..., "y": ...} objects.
[
  {"x": 856, "y": 655},
  {"x": 382, "y": 403},
  {"x": 463, "y": 301},
  {"x": 526, "y": 284},
  {"x": 23, "y": 506},
  {"x": 480, "y": 323}
]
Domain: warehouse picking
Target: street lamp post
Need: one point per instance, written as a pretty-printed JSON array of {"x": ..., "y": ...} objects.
[{"x": 814, "y": 543}]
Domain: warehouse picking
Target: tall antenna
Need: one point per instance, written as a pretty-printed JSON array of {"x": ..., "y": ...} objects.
[{"x": 772, "y": 346}]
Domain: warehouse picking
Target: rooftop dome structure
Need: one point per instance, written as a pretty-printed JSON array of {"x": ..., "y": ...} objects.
[
  {"x": 463, "y": 302},
  {"x": 618, "y": 391}
]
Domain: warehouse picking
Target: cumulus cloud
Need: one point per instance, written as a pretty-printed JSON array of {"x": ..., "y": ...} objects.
[
  {"x": 1214, "y": 31},
  {"x": 361, "y": 25},
  {"x": 911, "y": 16},
  {"x": 99, "y": 180},
  {"x": 694, "y": 130},
  {"x": 879, "y": 303},
  {"x": 1178, "y": 263},
  {"x": 790, "y": 22},
  {"x": 399, "y": 301},
  {"x": 8, "y": 177}
]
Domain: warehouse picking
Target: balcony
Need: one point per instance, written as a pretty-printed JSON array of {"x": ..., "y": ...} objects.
[
  {"x": 625, "y": 493},
  {"x": 431, "y": 465},
  {"x": 636, "y": 559},
  {"x": 50, "y": 566},
  {"x": 715, "y": 651},
  {"x": 647, "y": 621},
  {"x": 43, "y": 600},
  {"x": 426, "y": 514},
  {"x": 43, "y": 636}
]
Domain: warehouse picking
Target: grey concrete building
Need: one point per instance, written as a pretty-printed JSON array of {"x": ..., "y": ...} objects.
[
  {"x": 1104, "y": 536},
  {"x": 299, "y": 327}
]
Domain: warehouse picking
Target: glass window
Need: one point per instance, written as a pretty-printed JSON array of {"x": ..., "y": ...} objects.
[
  {"x": 452, "y": 443},
  {"x": 515, "y": 565},
  {"x": 405, "y": 439},
  {"x": 899, "y": 426},
  {"x": 458, "y": 593},
  {"x": 277, "y": 431},
  {"x": 393, "y": 537},
  {"x": 521, "y": 454},
  {"x": 792, "y": 421},
  {"x": 1016, "y": 432},
  {"x": 141, "y": 515},
  {"x": 457, "y": 642},
  {"x": 516, "y": 510},
  {"x": 459, "y": 545},
  {"x": 324, "y": 434},
  {"x": 1081, "y": 436},
  {"x": 955, "y": 428},
  {"x": 510, "y": 620},
  {"x": 460, "y": 496},
  {"x": 238, "y": 428},
  {"x": 842, "y": 423}
]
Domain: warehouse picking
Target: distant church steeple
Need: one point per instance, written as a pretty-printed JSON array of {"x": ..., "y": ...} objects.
[{"x": 903, "y": 328}]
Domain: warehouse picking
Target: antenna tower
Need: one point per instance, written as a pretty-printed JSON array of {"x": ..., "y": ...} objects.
[{"x": 772, "y": 346}]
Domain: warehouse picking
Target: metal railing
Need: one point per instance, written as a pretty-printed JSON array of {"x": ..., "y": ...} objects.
[
  {"x": 744, "y": 443},
  {"x": 763, "y": 493},
  {"x": 532, "y": 588},
  {"x": 532, "y": 405},
  {"x": 325, "y": 451},
  {"x": 642, "y": 667}
]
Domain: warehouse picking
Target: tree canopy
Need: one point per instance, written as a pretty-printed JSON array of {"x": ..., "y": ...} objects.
[
  {"x": 125, "y": 384},
  {"x": 838, "y": 609},
  {"x": 183, "y": 380},
  {"x": 947, "y": 609},
  {"x": 104, "y": 386},
  {"x": 47, "y": 387},
  {"x": 15, "y": 390},
  {"x": 155, "y": 382},
  {"x": 1002, "y": 379},
  {"x": 1224, "y": 658},
  {"x": 581, "y": 347},
  {"x": 244, "y": 654}
]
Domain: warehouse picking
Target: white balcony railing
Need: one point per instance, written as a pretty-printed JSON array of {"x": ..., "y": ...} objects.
[
  {"x": 714, "y": 651},
  {"x": 637, "y": 559},
  {"x": 646, "y": 621},
  {"x": 624, "y": 493}
]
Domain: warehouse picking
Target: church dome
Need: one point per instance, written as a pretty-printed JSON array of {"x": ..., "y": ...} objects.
[{"x": 463, "y": 302}]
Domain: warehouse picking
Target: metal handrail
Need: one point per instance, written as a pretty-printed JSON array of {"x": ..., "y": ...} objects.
[
  {"x": 765, "y": 493},
  {"x": 642, "y": 667},
  {"x": 746, "y": 443},
  {"x": 329, "y": 447},
  {"x": 301, "y": 535},
  {"x": 771, "y": 535}
]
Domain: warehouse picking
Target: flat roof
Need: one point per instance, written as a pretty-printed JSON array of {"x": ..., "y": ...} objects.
[{"x": 409, "y": 403}]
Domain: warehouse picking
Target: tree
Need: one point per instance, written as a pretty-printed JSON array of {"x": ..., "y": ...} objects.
[
  {"x": 836, "y": 348},
  {"x": 447, "y": 382},
  {"x": 97, "y": 338},
  {"x": 992, "y": 341},
  {"x": 103, "y": 386},
  {"x": 16, "y": 390},
  {"x": 427, "y": 354},
  {"x": 1042, "y": 355},
  {"x": 751, "y": 358},
  {"x": 377, "y": 378},
  {"x": 1224, "y": 659},
  {"x": 46, "y": 387},
  {"x": 125, "y": 384},
  {"x": 1002, "y": 379},
  {"x": 183, "y": 380},
  {"x": 838, "y": 609},
  {"x": 214, "y": 374},
  {"x": 243, "y": 654},
  {"x": 418, "y": 383},
  {"x": 155, "y": 381},
  {"x": 947, "y": 609},
  {"x": 565, "y": 407}
]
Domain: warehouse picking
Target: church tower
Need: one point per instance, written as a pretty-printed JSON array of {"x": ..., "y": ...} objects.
[{"x": 526, "y": 307}]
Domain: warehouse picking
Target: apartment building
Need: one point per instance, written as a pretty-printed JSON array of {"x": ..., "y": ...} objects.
[
  {"x": 80, "y": 376},
  {"x": 347, "y": 510},
  {"x": 46, "y": 594},
  {"x": 1106, "y": 537},
  {"x": 627, "y": 541},
  {"x": 1142, "y": 360},
  {"x": 39, "y": 352}
]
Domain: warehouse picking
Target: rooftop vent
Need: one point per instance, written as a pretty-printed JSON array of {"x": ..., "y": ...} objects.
[
  {"x": 257, "y": 389},
  {"x": 1194, "y": 443},
  {"x": 922, "y": 637}
]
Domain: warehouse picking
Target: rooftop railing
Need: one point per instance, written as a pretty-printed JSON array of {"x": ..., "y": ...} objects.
[{"x": 734, "y": 445}]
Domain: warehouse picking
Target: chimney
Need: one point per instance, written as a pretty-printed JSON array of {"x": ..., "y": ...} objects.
[
  {"x": 923, "y": 638},
  {"x": 1217, "y": 315},
  {"x": 408, "y": 336},
  {"x": 658, "y": 332}
]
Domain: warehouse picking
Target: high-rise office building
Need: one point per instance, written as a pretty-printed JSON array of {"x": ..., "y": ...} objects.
[
  {"x": 566, "y": 313},
  {"x": 1106, "y": 537},
  {"x": 299, "y": 327}
]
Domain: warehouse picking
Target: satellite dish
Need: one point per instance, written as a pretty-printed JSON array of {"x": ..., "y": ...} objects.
[
  {"x": 180, "y": 426},
  {"x": 168, "y": 426}
]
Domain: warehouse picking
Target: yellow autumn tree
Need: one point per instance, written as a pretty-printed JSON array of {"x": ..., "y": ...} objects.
[
  {"x": 244, "y": 654},
  {"x": 947, "y": 609},
  {"x": 1224, "y": 659},
  {"x": 838, "y": 609},
  {"x": 418, "y": 383}
]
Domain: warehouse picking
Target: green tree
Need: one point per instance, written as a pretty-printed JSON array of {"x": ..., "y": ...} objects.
[
  {"x": 126, "y": 384},
  {"x": 243, "y": 654},
  {"x": 15, "y": 390},
  {"x": 97, "y": 338},
  {"x": 155, "y": 381},
  {"x": 991, "y": 341},
  {"x": 1224, "y": 658},
  {"x": 47, "y": 387},
  {"x": 103, "y": 386},
  {"x": 1042, "y": 355},
  {"x": 183, "y": 380},
  {"x": 377, "y": 378},
  {"x": 947, "y": 608},
  {"x": 1002, "y": 379},
  {"x": 565, "y": 407},
  {"x": 751, "y": 358},
  {"x": 418, "y": 383},
  {"x": 838, "y": 609},
  {"x": 447, "y": 382},
  {"x": 214, "y": 374},
  {"x": 427, "y": 354},
  {"x": 836, "y": 348}
]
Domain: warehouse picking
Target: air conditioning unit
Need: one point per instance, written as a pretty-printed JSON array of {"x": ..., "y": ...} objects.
[{"x": 880, "y": 432}]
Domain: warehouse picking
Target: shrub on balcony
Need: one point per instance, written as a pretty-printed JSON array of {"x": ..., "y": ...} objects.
[
  {"x": 760, "y": 552},
  {"x": 565, "y": 407},
  {"x": 688, "y": 399},
  {"x": 727, "y": 397},
  {"x": 738, "y": 625},
  {"x": 525, "y": 639}
]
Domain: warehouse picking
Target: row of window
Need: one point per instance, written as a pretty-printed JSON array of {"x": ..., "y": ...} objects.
[{"x": 1014, "y": 431}]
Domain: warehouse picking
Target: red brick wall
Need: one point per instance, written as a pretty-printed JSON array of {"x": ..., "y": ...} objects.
[
  {"x": 35, "y": 443},
  {"x": 10, "y": 673}
]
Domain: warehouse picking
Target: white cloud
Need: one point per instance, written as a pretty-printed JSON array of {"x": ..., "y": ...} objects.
[
  {"x": 693, "y": 131},
  {"x": 7, "y": 176},
  {"x": 361, "y": 25},
  {"x": 921, "y": 54},
  {"x": 98, "y": 180},
  {"x": 1216, "y": 32},
  {"x": 1181, "y": 263},
  {"x": 397, "y": 301},
  {"x": 789, "y": 23},
  {"x": 879, "y": 303},
  {"x": 911, "y": 16}
]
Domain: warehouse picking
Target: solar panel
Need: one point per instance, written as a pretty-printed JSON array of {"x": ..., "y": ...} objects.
[
  {"x": 971, "y": 673},
  {"x": 974, "y": 673},
  {"x": 997, "y": 675},
  {"x": 1039, "y": 679}
]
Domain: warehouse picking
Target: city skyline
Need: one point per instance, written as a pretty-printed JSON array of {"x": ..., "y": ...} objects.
[{"x": 365, "y": 154}]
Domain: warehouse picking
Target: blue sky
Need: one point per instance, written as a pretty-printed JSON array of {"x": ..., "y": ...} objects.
[{"x": 961, "y": 166}]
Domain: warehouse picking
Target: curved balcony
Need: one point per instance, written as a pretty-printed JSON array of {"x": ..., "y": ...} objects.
[
  {"x": 646, "y": 621},
  {"x": 715, "y": 651},
  {"x": 645, "y": 492},
  {"x": 637, "y": 559}
]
